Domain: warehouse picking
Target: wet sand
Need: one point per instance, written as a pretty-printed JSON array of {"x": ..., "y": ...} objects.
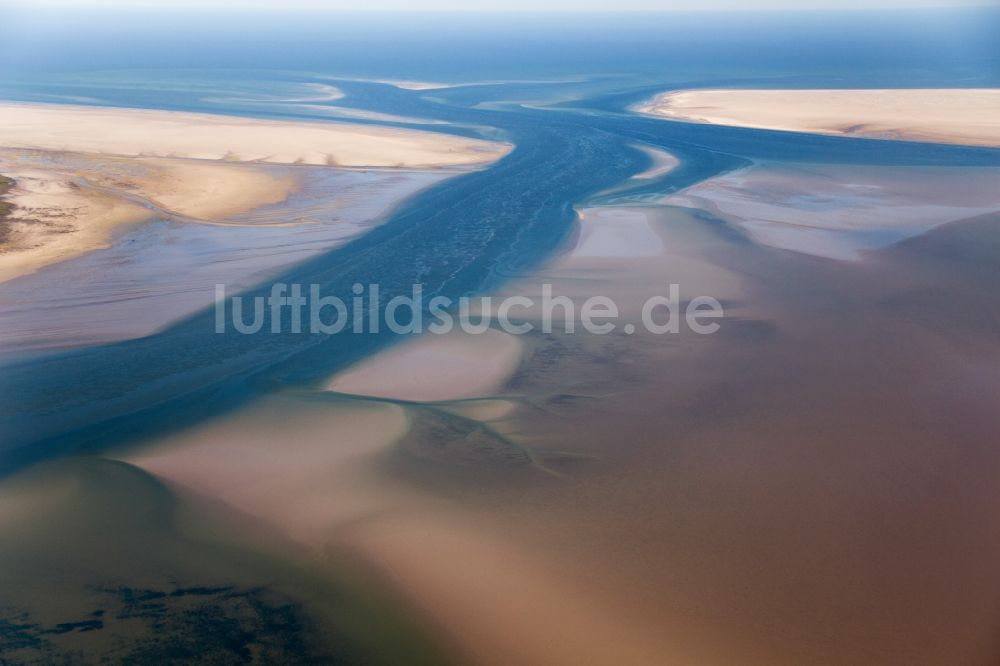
[
  {"x": 662, "y": 163},
  {"x": 83, "y": 173},
  {"x": 389, "y": 482},
  {"x": 64, "y": 205},
  {"x": 956, "y": 115},
  {"x": 148, "y": 275},
  {"x": 433, "y": 368},
  {"x": 843, "y": 212},
  {"x": 810, "y": 504},
  {"x": 51, "y": 219},
  {"x": 103, "y": 559},
  {"x": 805, "y": 486},
  {"x": 756, "y": 484}
]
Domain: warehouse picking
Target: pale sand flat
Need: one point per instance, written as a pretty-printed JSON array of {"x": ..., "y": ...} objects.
[
  {"x": 616, "y": 232},
  {"x": 211, "y": 191},
  {"x": 655, "y": 250},
  {"x": 963, "y": 116},
  {"x": 150, "y": 275},
  {"x": 66, "y": 206},
  {"x": 436, "y": 367},
  {"x": 839, "y": 212},
  {"x": 413, "y": 85},
  {"x": 313, "y": 472},
  {"x": 316, "y": 473},
  {"x": 53, "y": 221},
  {"x": 663, "y": 162},
  {"x": 303, "y": 468},
  {"x": 141, "y": 132}
]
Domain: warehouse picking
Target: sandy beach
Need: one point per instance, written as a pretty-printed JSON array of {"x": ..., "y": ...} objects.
[
  {"x": 961, "y": 116},
  {"x": 148, "y": 133}
]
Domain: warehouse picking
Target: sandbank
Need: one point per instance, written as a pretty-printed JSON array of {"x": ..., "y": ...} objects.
[
  {"x": 436, "y": 367},
  {"x": 301, "y": 467},
  {"x": 413, "y": 85},
  {"x": 616, "y": 232},
  {"x": 51, "y": 220},
  {"x": 83, "y": 172},
  {"x": 962, "y": 116},
  {"x": 839, "y": 212},
  {"x": 146, "y": 275},
  {"x": 663, "y": 162},
  {"x": 314, "y": 466},
  {"x": 64, "y": 205},
  {"x": 143, "y": 132},
  {"x": 628, "y": 254}
]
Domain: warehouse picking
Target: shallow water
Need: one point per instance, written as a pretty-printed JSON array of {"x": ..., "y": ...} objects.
[
  {"x": 161, "y": 271},
  {"x": 465, "y": 236},
  {"x": 811, "y": 485}
]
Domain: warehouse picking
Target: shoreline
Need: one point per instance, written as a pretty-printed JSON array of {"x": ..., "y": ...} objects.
[
  {"x": 64, "y": 205},
  {"x": 82, "y": 173},
  {"x": 841, "y": 212},
  {"x": 127, "y": 132},
  {"x": 962, "y": 116},
  {"x": 170, "y": 265}
]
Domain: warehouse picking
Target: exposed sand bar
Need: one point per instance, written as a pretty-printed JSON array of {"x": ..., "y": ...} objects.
[
  {"x": 433, "y": 367},
  {"x": 64, "y": 205},
  {"x": 962, "y": 116},
  {"x": 838, "y": 211},
  {"x": 301, "y": 467},
  {"x": 81, "y": 173},
  {"x": 616, "y": 232},
  {"x": 414, "y": 85},
  {"x": 143, "y": 276},
  {"x": 663, "y": 162},
  {"x": 141, "y": 132}
]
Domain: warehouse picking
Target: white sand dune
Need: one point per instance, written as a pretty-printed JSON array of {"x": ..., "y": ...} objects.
[{"x": 963, "y": 116}]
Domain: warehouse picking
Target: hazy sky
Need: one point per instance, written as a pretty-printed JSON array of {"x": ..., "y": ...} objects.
[{"x": 533, "y": 5}]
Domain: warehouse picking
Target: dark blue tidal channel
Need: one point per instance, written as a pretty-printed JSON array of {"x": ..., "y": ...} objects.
[{"x": 465, "y": 236}]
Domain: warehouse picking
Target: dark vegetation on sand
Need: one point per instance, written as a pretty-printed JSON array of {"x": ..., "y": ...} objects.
[{"x": 5, "y": 207}]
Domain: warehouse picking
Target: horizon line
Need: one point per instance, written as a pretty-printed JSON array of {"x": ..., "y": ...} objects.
[{"x": 319, "y": 5}]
